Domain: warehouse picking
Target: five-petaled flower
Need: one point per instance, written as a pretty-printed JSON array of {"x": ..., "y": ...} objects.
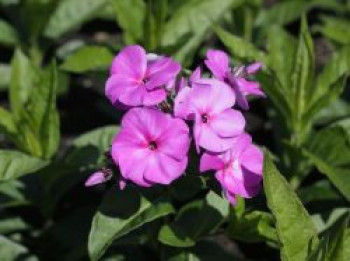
[
  {"x": 219, "y": 64},
  {"x": 208, "y": 102},
  {"x": 151, "y": 147},
  {"x": 239, "y": 170},
  {"x": 137, "y": 81}
]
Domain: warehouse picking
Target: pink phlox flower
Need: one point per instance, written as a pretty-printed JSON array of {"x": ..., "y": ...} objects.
[
  {"x": 151, "y": 147},
  {"x": 208, "y": 103},
  {"x": 238, "y": 170},
  {"x": 218, "y": 63},
  {"x": 138, "y": 80}
]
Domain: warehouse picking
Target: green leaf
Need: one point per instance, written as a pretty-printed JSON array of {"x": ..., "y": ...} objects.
[
  {"x": 8, "y": 34},
  {"x": 255, "y": 226},
  {"x": 120, "y": 213},
  {"x": 336, "y": 29},
  {"x": 190, "y": 22},
  {"x": 12, "y": 224},
  {"x": 333, "y": 244},
  {"x": 239, "y": 48},
  {"x": 329, "y": 150},
  {"x": 131, "y": 22},
  {"x": 14, "y": 164},
  {"x": 23, "y": 78},
  {"x": 332, "y": 157},
  {"x": 7, "y": 124},
  {"x": 282, "y": 49},
  {"x": 302, "y": 78},
  {"x": 70, "y": 14},
  {"x": 13, "y": 251},
  {"x": 285, "y": 12},
  {"x": 87, "y": 59},
  {"x": 5, "y": 72},
  {"x": 12, "y": 194},
  {"x": 187, "y": 187},
  {"x": 186, "y": 229},
  {"x": 40, "y": 113},
  {"x": 330, "y": 83},
  {"x": 295, "y": 228}
]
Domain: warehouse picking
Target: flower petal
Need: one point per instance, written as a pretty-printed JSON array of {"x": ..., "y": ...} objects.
[
  {"x": 133, "y": 96},
  {"x": 218, "y": 63},
  {"x": 116, "y": 85},
  {"x": 228, "y": 123},
  {"x": 162, "y": 169},
  {"x": 161, "y": 72},
  {"x": 131, "y": 61},
  {"x": 210, "y": 162},
  {"x": 252, "y": 159},
  {"x": 207, "y": 138},
  {"x": 253, "y": 68},
  {"x": 154, "y": 97}
]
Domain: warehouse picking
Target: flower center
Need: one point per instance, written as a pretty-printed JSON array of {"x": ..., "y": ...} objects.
[
  {"x": 145, "y": 80},
  {"x": 152, "y": 145},
  {"x": 205, "y": 118}
]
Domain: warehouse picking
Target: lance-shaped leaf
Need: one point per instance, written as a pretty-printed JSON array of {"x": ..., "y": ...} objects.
[
  {"x": 8, "y": 35},
  {"x": 11, "y": 250},
  {"x": 130, "y": 22},
  {"x": 336, "y": 29},
  {"x": 14, "y": 164},
  {"x": 190, "y": 22},
  {"x": 70, "y": 14},
  {"x": 295, "y": 228},
  {"x": 88, "y": 58},
  {"x": 333, "y": 245},
  {"x": 239, "y": 48},
  {"x": 186, "y": 228},
  {"x": 329, "y": 150},
  {"x": 120, "y": 213}
]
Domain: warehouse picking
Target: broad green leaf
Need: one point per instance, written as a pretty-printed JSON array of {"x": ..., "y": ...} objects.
[
  {"x": 130, "y": 21},
  {"x": 187, "y": 187},
  {"x": 190, "y": 22},
  {"x": 302, "y": 78},
  {"x": 324, "y": 220},
  {"x": 295, "y": 228},
  {"x": 255, "y": 226},
  {"x": 11, "y": 250},
  {"x": 186, "y": 229},
  {"x": 120, "y": 213},
  {"x": 5, "y": 72},
  {"x": 336, "y": 29},
  {"x": 12, "y": 224},
  {"x": 240, "y": 48},
  {"x": 7, "y": 124},
  {"x": 285, "y": 12},
  {"x": 319, "y": 191},
  {"x": 337, "y": 111},
  {"x": 23, "y": 78},
  {"x": 282, "y": 13},
  {"x": 332, "y": 246},
  {"x": 282, "y": 49},
  {"x": 330, "y": 82},
  {"x": 8, "y": 35},
  {"x": 14, "y": 164},
  {"x": 329, "y": 150},
  {"x": 70, "y": 14},
  {"x": 35, "y": 15},
  {"x": 88, "y": 58},
  {"x": 41, "y": 115},
  {"x": 12, "y": 194}
]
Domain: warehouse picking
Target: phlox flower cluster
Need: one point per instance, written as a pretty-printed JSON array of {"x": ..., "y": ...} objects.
[{"x": 165, "y": 112}]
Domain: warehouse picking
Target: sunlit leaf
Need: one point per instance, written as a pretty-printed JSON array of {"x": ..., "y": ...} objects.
[
  {"x": 120, "y": 213},
  {"x": 8, "y": 35},
  {"x": 295, "y": 228},
  {"x": 88, "y": 58}
]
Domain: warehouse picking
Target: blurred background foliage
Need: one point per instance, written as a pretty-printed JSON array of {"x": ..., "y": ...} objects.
[{"x": 56, "y": 125}]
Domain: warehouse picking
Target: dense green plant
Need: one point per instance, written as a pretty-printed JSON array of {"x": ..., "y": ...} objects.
[{"x": 302, "y": 212}]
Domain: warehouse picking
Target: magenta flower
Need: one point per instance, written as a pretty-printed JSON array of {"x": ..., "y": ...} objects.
[
  {"x": 239, "y": 170},
  {"x": 151, "y": 147},
  {"x": 218, "y": 63},
  {"x": 138, "y": 80},
  {"x": 209, "y": 103}
]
